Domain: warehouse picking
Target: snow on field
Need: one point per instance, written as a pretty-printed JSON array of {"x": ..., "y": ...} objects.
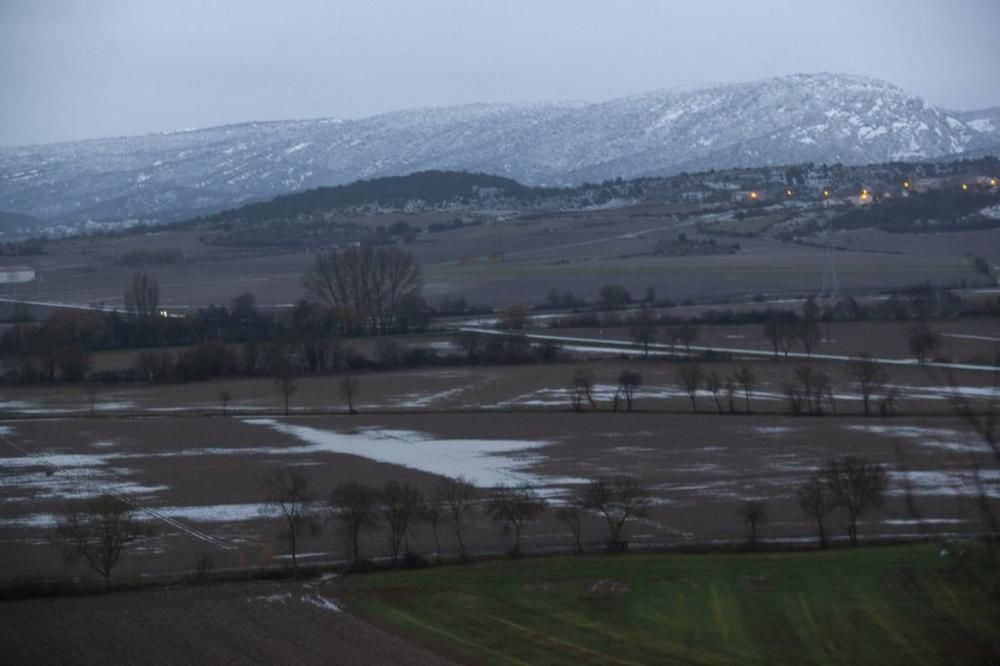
[
  {"x": 946, "y": 392},
  {"x": 322, "y": 602},
  {"x": 938, "y": 438},
  {"x": 427, "y": 399},
  {"x": 213, "y": 513},
  {"x": 954, "y": 483},
  {"x": 770, "y": 430},
  {"x": 24, "y": 407},
  {"x": 34, "y": 486},
  {"x": 485, "y": 462}
]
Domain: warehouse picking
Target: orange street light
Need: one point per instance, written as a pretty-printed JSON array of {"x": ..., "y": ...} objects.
[{"x": 906, "y": 184}]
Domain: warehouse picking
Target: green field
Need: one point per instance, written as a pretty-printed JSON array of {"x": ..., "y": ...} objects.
[{"x": 898, "y": 605}]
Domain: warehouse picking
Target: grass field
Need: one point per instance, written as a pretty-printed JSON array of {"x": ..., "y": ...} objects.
[{"x": 885, "y": 605}]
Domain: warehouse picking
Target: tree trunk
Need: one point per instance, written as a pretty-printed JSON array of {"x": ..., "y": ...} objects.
[{"x": 458, "y": 537}]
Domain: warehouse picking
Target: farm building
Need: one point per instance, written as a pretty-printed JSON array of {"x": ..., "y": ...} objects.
[{"x": 16, "y": 274}]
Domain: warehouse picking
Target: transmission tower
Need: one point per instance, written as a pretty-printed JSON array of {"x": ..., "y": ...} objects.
[{"x": 831, "y": 286}]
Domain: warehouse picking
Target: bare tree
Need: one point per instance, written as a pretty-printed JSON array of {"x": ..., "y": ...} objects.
[
  {"x": 687, "y": 335},
  {"x": 787, "y": 337},
  {"x": 99, "y": 531},
  {"x": 689, "y": 376},
  {"x": 571, "y": 515},
  {"x": 582, "y": 387},
  {"x": 808, "y": 332},
  {"x": 286, "y": 493},
  {"x": 285, "y": 380},
  {"x": 670, "y": 336},
  {"x": 643, "y": 330},
  {"x": 349, "y": 385},
  {"x": 922, "y": 341},
  {"x": 513, "y": 508},
  {"x": 795, "y": 398},
  {"x": 91, "y": 392},
  {"x": 619, "y": 499},
  {"x": 142, "y": 296},
  {"x": 815, "y": 501},
  {"x": 754, "y": 514},
  {"x": 782, "y": 333},
  {"x": 456, "y": 496},
  {"x": 629, "y": 382},
  {"x": 355, "y": 507},
  {"x": 372, "y": 282},
  {"x": 401, "y": 505},
  {"x": 470, "y": 342},
  {"x": 869, "y": 375},
  {"x": 431, "y": 514},
  {"x": 225, "y": 397},
  {"x": 773, "y": 332},
  {"x": 892, "y": 397},
  {"x": 713, "y": 382},
  {"x": 815, "y": 385},
  {"x": 730, "y": 387},
  {"x": 747, "y": 380},
  {"x": 857, "y": 485}
]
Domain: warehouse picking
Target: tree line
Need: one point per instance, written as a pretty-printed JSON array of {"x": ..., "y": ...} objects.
[
  {"x": 99, "y": 531},
  {"x": 810, "y": 391}
]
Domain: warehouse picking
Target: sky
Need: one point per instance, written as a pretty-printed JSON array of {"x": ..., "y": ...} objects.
[{"x": 76, "y": 69}]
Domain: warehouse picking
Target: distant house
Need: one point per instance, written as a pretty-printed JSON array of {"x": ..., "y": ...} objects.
[
  {"x": 16, "y": 274},
  {"x": 748, "y": 196}
]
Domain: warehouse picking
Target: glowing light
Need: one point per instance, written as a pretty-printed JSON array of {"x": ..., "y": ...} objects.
[
  {"x": 906, "y": 184},
  {"x": 965, "y": 187},
  {"x": 826, "y": 193},
  {"x": 788, "y": 193},
  {"x": 993, "y": 182},
  {"x": 753, "y": 195}
]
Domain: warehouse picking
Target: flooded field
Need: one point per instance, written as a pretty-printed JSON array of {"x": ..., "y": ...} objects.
[{"x": 197, "y": 478}]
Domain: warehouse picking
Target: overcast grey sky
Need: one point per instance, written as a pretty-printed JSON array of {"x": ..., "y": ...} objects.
[{"x": 72, "y": 69}]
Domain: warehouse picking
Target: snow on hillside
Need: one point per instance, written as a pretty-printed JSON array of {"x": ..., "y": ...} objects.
[{"x": 819, "y": 118}]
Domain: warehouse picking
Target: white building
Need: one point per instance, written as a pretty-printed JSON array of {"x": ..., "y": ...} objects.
[{"x": 16, "y": 274}]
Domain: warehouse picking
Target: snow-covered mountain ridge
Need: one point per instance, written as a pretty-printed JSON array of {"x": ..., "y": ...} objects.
[{"x": 802, "y": 118}]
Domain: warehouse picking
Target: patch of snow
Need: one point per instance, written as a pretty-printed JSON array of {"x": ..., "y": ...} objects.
[
  {"x": 940, "y": 438},
  {"x": 322, "y": 602},
  {"x": 952, "y": 483},
  {"x": 485, "y": 462},
  {"x": 770, "y": 430}
]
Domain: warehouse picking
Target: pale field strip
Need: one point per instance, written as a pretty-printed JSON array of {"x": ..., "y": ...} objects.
[{"x": 660, "y": 349}]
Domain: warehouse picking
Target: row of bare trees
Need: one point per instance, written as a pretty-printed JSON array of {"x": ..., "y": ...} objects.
[
  {"x": 644, "y": 331},
  {"x": 399, "y": 508},
  {"x": 99, "y": 530},
  {"x": 810, "y": 391},
  {"x": 851, "y": 483}
]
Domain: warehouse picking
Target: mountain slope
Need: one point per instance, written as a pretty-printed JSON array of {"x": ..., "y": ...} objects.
[{"x": 819, "y": 118}]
